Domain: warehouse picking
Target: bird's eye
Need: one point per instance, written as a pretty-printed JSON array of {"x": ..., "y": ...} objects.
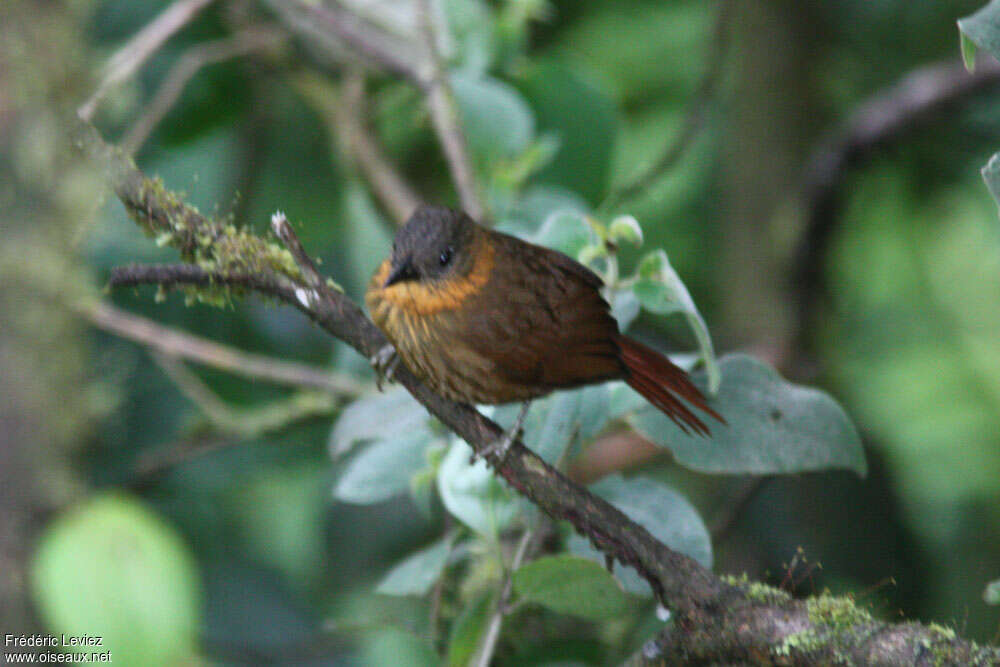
[{"x": 445, "y": 256}]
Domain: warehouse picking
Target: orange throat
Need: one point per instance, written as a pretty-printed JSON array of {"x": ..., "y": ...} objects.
[{"x": 423, "y": 299}]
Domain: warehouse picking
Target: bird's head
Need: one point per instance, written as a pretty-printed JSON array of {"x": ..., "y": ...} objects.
[{"x": 435, "y": 245}]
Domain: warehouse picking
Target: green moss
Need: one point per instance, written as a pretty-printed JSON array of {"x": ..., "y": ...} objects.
[
  {"x": 834, "y": 620},
  {"x": 756, "y": 591}
]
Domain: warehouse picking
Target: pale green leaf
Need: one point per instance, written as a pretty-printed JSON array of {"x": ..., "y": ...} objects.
[
  {"x": 991, "y": 174},
  {"x": 467, "y": 630},
  {"x": 382, "y": 469},
  {"x": 772, "y": 426},
  {"x": 565, "y": 231},
  {"x": 571, "y": 585},
  {"x": 416, "y": 574},
  {"x": 982, "y": 29},
  {"x": 498, "y": 123},
  {"x": 114, "y": 569},
  {"x": 625, "y": 228},
  {"x": 392, "y": 646},
  {"x": 377, "y": 417},
  {"x": 659, "y": 509},
  {"x": 991, "y": 595},
  {"x": 473, "y": 494}
]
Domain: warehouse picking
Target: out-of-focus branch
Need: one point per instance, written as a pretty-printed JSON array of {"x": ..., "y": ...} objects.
[
  {"x": 715, "y": 620},
  {"x": 694, "y": 118},
  {"x": 242, "y": 422},
  {"x": 445, "y": 117},
  {"x": 182, "y": 345},
  {"x": 423, "y": 69},
  {"x": 345, "y": 114},
  {"x": 331, "y": 26},
  {"x": 128, "y": 59},
  {"x": 257, "y": 38},
  {"x": 917, "y": 98}
]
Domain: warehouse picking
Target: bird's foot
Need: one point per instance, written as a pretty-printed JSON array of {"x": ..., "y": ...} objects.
[
  {"x": 501, "y": 447},
  {"x": 384, "y": 362}
]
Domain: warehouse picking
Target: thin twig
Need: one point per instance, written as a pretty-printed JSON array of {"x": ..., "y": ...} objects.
[
  {"x": 183, "y": 345},
  {"x": 387, "y": 183},
  {"x": 445, "y": 117},
  {"x": 128, "y": 59},
  {"x": 492, "y": 636},
  {"x": 194, "y": 389},
  {"x": 694, "y": 118},
  {"x": 160, "y": 460},
  {"x": 242, "y": 422},
  {"x": 252, "y": 39}
]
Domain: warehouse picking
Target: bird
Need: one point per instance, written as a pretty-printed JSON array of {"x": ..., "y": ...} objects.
[{"x": 483, "y": 317}]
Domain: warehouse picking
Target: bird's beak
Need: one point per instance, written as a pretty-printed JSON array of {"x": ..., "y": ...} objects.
[{"x": 398, "y": 274}]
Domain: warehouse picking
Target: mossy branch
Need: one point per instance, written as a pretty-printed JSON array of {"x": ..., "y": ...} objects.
[{"x": 715, "y": 620}]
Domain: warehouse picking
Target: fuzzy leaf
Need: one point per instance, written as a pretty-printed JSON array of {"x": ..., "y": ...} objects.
[
  {"x": 773, "y": 426},
  {"x": 571, "y": 585},
  {"x": 416, "y": 574}
]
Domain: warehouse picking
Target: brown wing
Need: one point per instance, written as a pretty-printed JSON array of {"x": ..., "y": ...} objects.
[{"x": 542, "y": 321}]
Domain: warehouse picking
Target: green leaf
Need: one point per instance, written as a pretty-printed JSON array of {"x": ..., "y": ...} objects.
[
  {"x": 365, "y": 420},
  {"x": 991, "y": 595},
  {"x": 556, "y": 421},
  {"x": 585, "y": 121},
  {"x": 382, "y": 469},
  {"x": 991, "y": 174},
  {"x": 472, "y": 494},
  {"x": 416, "y": 574},
  {"x": 114, "y": 569},
  {"x": 625, "y": 228},
  {"x": 497, "y": 121},
  {"x": 467, "y": 630},
  {"x": 660, "y": 510},
  {"x": 625, "y": 307},
  {"x": 279, "y": 514},
  {"x": 968, "y": 52},
  {"x": 773, "y": 426},
  {"x": 571, "y": 585},
  {"x": 662, "y": 291},
  {"x": 983, "y": 30},
  {"x": 393, "y": 646},
  {"x": 565, "y": 231}
]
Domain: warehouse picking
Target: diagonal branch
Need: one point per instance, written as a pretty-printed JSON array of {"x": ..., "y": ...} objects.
[
  {"x": 183, "y": 345},
  {"x": 137, "y": 51},
  {"x": 915, "y": 99},
  {"x": 714, "y": 620},
  {"x": 423, "y": 68}
]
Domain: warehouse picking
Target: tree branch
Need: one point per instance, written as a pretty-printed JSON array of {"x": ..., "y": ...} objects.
[
  {"x": 714, "y": 620},
  {"x": 445, "y": 117},
  {"x": 917, "y": 98},
  {"x": 183, "y": 345},
  {"x": 252, "y": 39},
  {"x": 128, "y": 59}
]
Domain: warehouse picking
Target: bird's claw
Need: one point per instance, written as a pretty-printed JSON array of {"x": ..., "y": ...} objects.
[
  {"x": 499, "y": 447},
  {"x": 384, "y": 362}
]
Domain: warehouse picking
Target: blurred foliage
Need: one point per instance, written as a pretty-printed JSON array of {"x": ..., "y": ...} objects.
[{"x": 257, "y": 549}]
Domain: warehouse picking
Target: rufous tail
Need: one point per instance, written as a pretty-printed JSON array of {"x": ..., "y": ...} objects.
[{"x": 663, "y": 384}]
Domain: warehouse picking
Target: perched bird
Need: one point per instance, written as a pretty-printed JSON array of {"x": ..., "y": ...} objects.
[{"x": 484, "y": 317}]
